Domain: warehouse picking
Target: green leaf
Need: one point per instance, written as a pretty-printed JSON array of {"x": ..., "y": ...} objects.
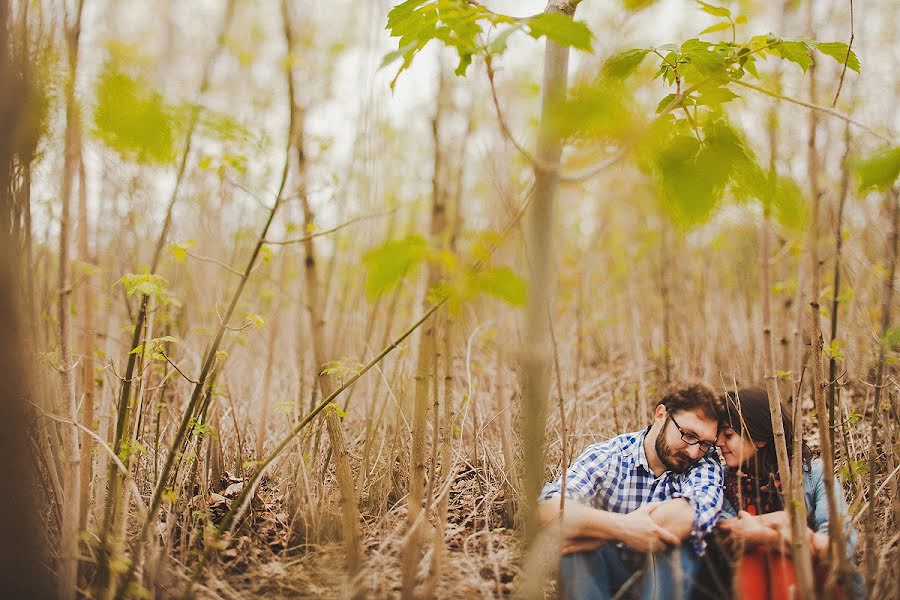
[
  {"x": 716, "y": 11},
  {"x": 503, "y": 283},
  {"x": 561, "y": 29},
  {"x": 723, "y": 26},
  {"x": 387, "y": 265},
  {"x": 154, "y": 345},
  {"x": 838, "y": 51},
  {"x": 636, "y": 5},
  {"x": 891, "y": 339},
  {"x": 255, "y": 319},
  {"x": 132, "y": 119},
  {"x": 692, "y": 177},
  {"x": 146, "y": 284},
  {"x": 666, "y": 102},
  {"x": 702, "y": 62},
  {"x": 834, "y": 350},
  {"x": 625, "y": 63},
  {"x": 877, "y": 171},
  {"x": 789, "y": 206},
  {"x": 498, "y": 44},
  {"x": 342, "y": 367},
  {"x": 796, "y": 52},
  {"x": 337, "y": 410},
  {"x": 180, "y": 250},
  {"x": 715, "y": 96}
]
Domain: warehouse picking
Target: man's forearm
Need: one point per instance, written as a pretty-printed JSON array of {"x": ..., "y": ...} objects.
[
  {"x": 677, "y": 516},
  {"x": 580, "y": 521}
]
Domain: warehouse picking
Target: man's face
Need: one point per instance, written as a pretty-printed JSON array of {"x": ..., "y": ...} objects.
[{"x": 677, "y": 454}]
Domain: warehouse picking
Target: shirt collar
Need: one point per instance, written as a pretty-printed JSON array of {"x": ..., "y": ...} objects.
[{"x": 640, "y": 457}]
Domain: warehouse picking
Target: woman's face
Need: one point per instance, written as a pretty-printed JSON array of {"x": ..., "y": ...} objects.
[{"x": 736, "y": 449}]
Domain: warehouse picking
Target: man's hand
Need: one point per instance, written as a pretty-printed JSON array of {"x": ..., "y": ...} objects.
[{"x": 640, "y": 532}]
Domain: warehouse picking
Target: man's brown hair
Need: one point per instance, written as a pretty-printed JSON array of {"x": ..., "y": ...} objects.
[{"x": 692, "y": 396}]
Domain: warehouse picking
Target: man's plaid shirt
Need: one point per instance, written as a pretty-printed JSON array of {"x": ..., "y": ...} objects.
[{"x": 614, "y": 476}]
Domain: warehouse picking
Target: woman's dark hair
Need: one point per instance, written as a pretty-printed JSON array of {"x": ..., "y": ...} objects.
[{"x": 747, "y": 412}]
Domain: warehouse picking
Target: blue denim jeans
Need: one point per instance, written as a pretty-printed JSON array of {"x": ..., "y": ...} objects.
[{"x": 599, "y": 574}]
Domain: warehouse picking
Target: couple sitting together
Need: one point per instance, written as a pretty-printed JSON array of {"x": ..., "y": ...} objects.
[{"x": 656, "y": 513}]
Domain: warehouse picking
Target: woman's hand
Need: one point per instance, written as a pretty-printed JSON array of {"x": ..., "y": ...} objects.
[
  {"x": 756, "y": 530},
  {"x": 818, "y": 542}
]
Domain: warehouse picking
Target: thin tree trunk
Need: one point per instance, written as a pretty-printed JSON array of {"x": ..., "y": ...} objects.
[
  {"x": 789, "y": 483},
  {"x": 348, "y": 495},
  {"x": 86, "y": 306},
  {"x": 124, "y": 403},
  {"x": 265, "y": 401},
  {"x": 893, "y": 198},
  {"x": 838, "y": 558},
  {"x": 425, "y": 362},
  {"x": 68, "y": 570},
  {"x": 815, "y": 336},
  {"x": 535, "y": 374}
]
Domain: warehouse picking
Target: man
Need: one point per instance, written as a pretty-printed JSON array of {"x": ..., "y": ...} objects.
[{"x": 632, "y": 501}]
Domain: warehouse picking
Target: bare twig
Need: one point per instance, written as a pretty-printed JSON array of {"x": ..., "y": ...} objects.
[
  {"x": 118, "y": 462},
  {"x": 334, "y": 229},
  {"x": 215, "y": 262},
  {"x": 829, "y": 111},
  {"x": 837, "y": 93}
]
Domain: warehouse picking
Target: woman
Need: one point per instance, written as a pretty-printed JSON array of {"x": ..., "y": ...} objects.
[{"x": 748, "y": 552}]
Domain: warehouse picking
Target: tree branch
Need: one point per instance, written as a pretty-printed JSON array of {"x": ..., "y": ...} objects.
[
  {"x": 846, "y": 59},
  {"x": 829, "y": 111},
  {"x": 306, "y": 238}
]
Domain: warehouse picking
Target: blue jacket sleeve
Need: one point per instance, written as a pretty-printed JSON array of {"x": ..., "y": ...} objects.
[{"x": 817, "y": 503}]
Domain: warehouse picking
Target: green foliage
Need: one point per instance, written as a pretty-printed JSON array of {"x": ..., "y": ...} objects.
[
  {"x": 146, "y": 284},
  {"x": 461, "y": 25},
  {"x": 180, "y": 250},
  {"x": 337, "y": 410},
  {"x": 789, "y": 205},
  {"x": 834, "y": 349},
  {"x": 453, "y": 22},
  {"x": 877, "y": 171},
  {"x": 388, "y": 264},
  {"x": 252, "y": 318},
  {"x": 342, "y": 368},
  {"x": 501, "y": 282},
  {"x": 561, "y": 29},
  {"x": 625, "y": 63},
  {"x": 891, "y": 339},
  {"x": 840, "y": 52},
  {"x": 637, "y": 4},
  {"x": 692, "y": 175},
  {"x": 701, "y": 62},
  {"x": 716, "y": 11},
  {"x": 597, "y": 108},
  {"x": 133, "y": 119},
  {"x": 155, "y": 347}
]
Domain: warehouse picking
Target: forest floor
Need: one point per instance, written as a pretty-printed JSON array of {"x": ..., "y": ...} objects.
[{"x": 479, "y": 560}]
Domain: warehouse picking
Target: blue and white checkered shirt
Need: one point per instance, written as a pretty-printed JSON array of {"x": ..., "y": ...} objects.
[{"x": 614, "y": 476}]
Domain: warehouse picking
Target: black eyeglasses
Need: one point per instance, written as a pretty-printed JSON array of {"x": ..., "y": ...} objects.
[{"x": 690, "y": 439}]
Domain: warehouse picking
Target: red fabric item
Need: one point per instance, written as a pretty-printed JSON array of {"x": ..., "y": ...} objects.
[
  {"x": 762, "y": 574},
  {"x": 765, "y": 574}
]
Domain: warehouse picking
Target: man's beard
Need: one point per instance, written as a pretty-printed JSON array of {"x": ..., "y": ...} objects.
[{"x": 677, "y": 462}]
